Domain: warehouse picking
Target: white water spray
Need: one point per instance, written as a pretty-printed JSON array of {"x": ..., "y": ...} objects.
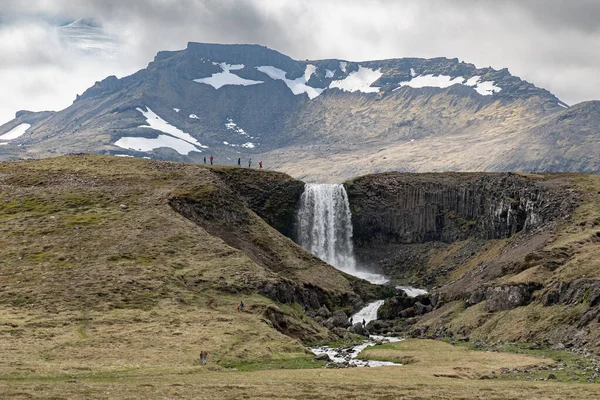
[{"x": 325, "y": 228}]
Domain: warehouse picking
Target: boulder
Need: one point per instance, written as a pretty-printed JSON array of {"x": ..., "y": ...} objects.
[
  {"x": 421, "y": 309},
  {"x": 340, "y": 319},
  {"x": 394, "y": 306},
  {"x": 408, "y": 313},
  {"x": 507, "y": 297},
  {"x": 323, "y": 357},
  {"x": 359, "y": 329},
  {"x": 324, "y": 312},
  {"x": 476, "y": 297}
]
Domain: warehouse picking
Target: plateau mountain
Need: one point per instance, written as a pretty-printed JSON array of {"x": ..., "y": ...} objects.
[{"x": 319, "y": 120}]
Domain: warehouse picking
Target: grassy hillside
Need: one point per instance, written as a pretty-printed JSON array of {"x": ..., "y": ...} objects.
[
  {"x": 99, "y": 272},
  {"x": 116, "y": 272}
]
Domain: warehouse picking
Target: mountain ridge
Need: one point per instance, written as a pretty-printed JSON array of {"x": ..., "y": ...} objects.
[{"x": 250, "y": 101}]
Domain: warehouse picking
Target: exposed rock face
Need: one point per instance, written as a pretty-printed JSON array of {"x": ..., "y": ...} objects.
[
  {"x": 290, "y": 326},
  {"x": 402, "y": 220},
  {"x": 273, "y": 196},
  {"x": 409, "y": 208},
  {"x": 338, "y": 320},
  {"x": 507, "y": 297},
  {"x": 402, "y": 306},
  {"x": 359, "y": 329},
  {"x": 576, "y": 291}
]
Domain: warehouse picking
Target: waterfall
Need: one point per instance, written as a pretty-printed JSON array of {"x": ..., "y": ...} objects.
[{"x": 325, "y": 228}]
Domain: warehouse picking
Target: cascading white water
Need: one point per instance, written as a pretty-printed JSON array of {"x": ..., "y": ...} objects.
[
  {"x": 367, "y": 313},
  {"x": 325, "y": 228}
]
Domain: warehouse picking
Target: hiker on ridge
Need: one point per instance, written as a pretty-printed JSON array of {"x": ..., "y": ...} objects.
[
  {"x": 250, "y": 163},
  {"x": 260, "y": 164},
  {"x": 211, "y": 160},
  {"x": 204, "y": 159},
  {"x": 239, "y": 162}
]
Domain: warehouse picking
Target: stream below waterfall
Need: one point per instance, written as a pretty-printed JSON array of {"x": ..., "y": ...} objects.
[
  {"x": 324, "y": 227},
  {"x": 347, "y": 356}
]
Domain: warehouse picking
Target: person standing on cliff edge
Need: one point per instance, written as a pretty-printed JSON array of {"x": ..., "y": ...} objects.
[
  {"x": 260, "y": 164},
  {"x": 211, "y": 160},
  {"x": 239, "y": 162},
  {"x": 250, "y": 163}
]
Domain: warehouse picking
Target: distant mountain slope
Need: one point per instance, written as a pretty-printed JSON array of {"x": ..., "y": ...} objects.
[{"x": 319, "y": 120}]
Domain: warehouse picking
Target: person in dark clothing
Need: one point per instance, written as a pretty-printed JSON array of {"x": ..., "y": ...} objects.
[
  {"x": 364, "y": 323},
  {"x": 351, "y": 321},
  {"x": 260, "y": 164},
  {"x": 204, "y": 159},
  {"x": 211, "y": 160},
  {"x": 239, "y": 162},
  {"x": 203, "y": 357},
  {"x": 241, "y": 307},
  {"x": 250, "y": 163}
]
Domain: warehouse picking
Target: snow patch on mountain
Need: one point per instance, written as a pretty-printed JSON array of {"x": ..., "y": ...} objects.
[
  {"x": 175, "y": 138},
  {"x": 343, "y": 65},
  {"x": 439, "y": 81},
  {"x": 176, "y": 109},
  {"x": 149, "y": 144},
  {"x": 360, "y": 80},
  {"x": 298, "y": 85},
  {"x": 484, "y": 88},
  {"x": 563, "y": 105},
  {"x": 249, "y": 145},
  {"x": 309, "y": 71},
  {"x": 194, "y": 116},
  {"x": 329, "y": 73},
  {"x": 226, "y": 77},
  {"x": 230, "y": 125},
  {"x": 157, "y": 123},
  {"x": 16, "y": 132}
]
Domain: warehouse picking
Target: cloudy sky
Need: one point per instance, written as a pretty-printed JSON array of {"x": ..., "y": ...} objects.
[{"x": 44, "y": 65}]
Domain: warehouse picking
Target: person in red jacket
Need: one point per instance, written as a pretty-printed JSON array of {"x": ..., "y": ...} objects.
[
  {"x": 260, "y": 164},
  {"x": 211, "y": 160}
]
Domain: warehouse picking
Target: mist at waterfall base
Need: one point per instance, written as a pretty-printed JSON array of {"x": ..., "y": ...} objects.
[{"x": 324, "y": 224}]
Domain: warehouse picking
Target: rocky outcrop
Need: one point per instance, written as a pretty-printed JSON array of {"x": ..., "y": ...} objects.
[
  {"x": 507, "y": 297},
  {"x": 404, "y": 222},
  {"x": 272, "y": 196},
  {"x": 359, "y": 329},
  {"x": 411, "y": 208},
  {"x": 574, "y": 292},
  {"x": 293, "y": 327},
  {"x": 338, "y": 320},
  {"x": 402, "y": 306}
]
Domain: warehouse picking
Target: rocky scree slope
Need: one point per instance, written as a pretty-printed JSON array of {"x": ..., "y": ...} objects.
[
  {"x": 245, "y": 101},
  {"x": 507, "y": 256}
]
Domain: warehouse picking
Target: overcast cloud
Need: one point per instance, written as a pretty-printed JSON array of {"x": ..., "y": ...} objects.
[{"x": 551, "y": 43}]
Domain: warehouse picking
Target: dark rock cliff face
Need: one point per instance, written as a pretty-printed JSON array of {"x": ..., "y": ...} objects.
[
  {"x": 411, "y": 208},
  {"x": 401, "y": 219},
  {"x": 272, "y": 196}
]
